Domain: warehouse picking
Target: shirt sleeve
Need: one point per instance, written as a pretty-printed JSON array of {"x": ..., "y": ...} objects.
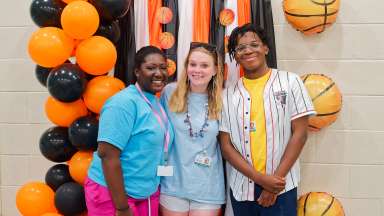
[
  {"x": 164, "y": 97},
  {"x": 224, "y": 121},
  {"x": 301, "y": 103},
  {"x": 116, "y": 125}
]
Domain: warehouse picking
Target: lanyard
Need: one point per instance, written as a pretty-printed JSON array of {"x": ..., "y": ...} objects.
[{"x": 162, "y": 120}]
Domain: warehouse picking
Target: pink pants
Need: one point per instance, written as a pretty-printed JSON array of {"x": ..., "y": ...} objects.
[{"x": 99, "y": 201}]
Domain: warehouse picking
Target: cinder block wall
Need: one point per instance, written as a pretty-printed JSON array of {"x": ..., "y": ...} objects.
[{"x": 346, "y": 159}]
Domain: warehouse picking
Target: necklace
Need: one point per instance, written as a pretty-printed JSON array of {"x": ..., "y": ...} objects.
[{"x": 203, "y": 128}]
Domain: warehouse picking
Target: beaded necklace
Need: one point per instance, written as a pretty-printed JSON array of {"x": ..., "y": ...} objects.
[{"x": 203, "y": 128}]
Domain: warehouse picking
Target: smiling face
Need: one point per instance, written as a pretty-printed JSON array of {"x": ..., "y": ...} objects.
[
  {"x": 152, "y": 74},
  {"x": 251, "y": 52},
  {"x": 200, "y": 70}
]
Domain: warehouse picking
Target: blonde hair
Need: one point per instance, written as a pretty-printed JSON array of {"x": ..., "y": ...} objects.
[{"x": 178, "y": 100}]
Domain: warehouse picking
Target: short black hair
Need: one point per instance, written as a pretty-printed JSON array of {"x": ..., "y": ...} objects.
[
  {"x": 240, "y": 31},
  {"x": 144, "y": 52}
]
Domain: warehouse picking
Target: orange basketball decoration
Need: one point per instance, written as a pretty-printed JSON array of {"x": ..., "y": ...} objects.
[
  {"x": 35, "y": 199},
  {"x": 164, "y": 15},
  {"x": 226, "y": 17},
  {"x": 80, "y": 19},
  {"x": 69, "y": 1},
  {"x": 63, "y": 114},
  {"x": 96, "y": 55},
  {"x": 319, "y": 203},
  {"x": 167, "y": 40},
  {"x": 99, "y": 89},
  {"x": 171, "y": 67},
  {"x": 79, "y": 164},
  {"x": 50, "y": 47},
  {"x": 311, "y": 16},
  {"x": 326, "y": 98}
]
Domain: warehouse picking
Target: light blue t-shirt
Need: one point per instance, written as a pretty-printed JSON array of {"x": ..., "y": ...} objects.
[
  {"x": 192, "y": 181},
  {"x": 127, "y": 122}
]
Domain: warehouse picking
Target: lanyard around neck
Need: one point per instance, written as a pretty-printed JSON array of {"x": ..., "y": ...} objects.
[{"x": 163, "y": 120}]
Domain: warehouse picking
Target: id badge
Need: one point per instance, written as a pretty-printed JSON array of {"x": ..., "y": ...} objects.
[
  {"x": 164, "y": 170},
  {"x": 252, "y": 126},
  {"x": 202, "y": 159}
]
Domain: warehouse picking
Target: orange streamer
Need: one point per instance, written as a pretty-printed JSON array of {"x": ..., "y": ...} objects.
[
  {"x": 154, "y": 25},
  {"x": 243, "y": 17},
  {"x": 201, "y": 21}
]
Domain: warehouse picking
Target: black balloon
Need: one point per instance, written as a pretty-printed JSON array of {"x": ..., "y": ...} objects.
[
  {"x": 111, "y": 9},
  {"x": 66, "y": 82},
  {"x": 42, "y": 74},
  {"x": 83, "y": 133},
  {"x": 55, "y": 145},
  {"x": 70, "y": 199},
  {"x": 110, "y": 30},
  {"x": 46, "y": 12},
  {"x": 57, "y": 175}
]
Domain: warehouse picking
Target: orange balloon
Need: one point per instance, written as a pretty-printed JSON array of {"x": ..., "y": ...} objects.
[
  {"x": 35, "y": 199},
  {"x": 79, "y": 164},
  {"x": 99, "y": 89},
  {"x": 63, "y": 114},
  {"x": 51, "y": 214},
  {"x": 80, "y": 19},
  {"x": 96, "y": 55},
  {"x": 69, "y": 1},
  {"x": 50, "y": 47}
]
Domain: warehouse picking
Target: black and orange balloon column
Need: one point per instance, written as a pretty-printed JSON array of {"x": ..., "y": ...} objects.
[{"x": 71, "y": 47}]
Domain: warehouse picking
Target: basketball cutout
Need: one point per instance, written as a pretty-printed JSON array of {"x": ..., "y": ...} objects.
[
  {"x": 171, "y": 67},
  {"x": 326, "y": 99},
  {"x": 319, "y": 203},
  {"x": 164, "y": 15},
  {"x": 166, "y": 40},
  {"x": 226, "y": 17},
  {"x": 311, "y": 16}
]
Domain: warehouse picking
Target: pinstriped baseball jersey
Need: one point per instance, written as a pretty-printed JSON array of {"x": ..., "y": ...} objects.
[{"x": 285, "y": 99}]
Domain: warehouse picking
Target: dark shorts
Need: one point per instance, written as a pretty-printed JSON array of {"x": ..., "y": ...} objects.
[{"x": 285, "y": 205}]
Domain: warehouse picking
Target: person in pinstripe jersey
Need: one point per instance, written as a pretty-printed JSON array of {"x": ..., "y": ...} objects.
[{"x": 263, "y": 128}]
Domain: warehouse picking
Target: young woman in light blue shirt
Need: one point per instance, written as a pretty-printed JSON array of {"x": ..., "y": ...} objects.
[{"x": 193, "y": 106}]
